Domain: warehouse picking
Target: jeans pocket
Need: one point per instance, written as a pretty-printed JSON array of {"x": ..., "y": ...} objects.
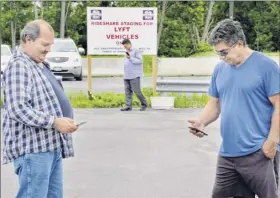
[
  {"x": 59, "y": 154},
  {"x": 18, "y": 162}
]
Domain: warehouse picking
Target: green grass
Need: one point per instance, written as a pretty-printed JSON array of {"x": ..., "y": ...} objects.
[{"x": 115, "y": 100}]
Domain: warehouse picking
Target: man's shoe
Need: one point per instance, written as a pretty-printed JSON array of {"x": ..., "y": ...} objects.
[
  {"x": 143, "y": 108},
  {"x": 126, "y": 109}
]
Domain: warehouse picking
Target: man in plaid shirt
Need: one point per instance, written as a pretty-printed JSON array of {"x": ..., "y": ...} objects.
[{"x": 37, "y": 116}]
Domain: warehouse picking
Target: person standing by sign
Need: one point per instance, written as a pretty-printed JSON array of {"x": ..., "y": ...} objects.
[{"x": 133, "y": 70}]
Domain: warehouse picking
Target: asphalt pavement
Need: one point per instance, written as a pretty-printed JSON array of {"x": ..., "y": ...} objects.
[{"x": 135, "y": 155}]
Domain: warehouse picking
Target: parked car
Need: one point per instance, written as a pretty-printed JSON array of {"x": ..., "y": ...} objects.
[
  {"x": 65, "y": 59},
  {"x": 6, "y": 54}
]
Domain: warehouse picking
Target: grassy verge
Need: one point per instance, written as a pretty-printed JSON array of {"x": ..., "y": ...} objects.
[{"x": 115, "y": 100}]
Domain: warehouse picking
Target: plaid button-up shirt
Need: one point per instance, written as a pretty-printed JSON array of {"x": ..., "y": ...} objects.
[{"x": 29, "y": 110}]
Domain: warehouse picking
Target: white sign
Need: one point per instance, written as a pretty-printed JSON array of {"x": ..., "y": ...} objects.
[{"x": 107, "y": 27}]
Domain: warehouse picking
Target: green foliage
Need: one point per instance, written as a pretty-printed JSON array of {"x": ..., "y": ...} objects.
[
  {"x": 51, "y": 13},
  {"x": 193, "y": 101},
  {"x": 183, "y": 26},
  {"x": 260, "y": 21},
  {"x": 203, "y": 47},
  {"x": 20, "y": 10},
  {"x": 114, "y": 100},
  {"x": 147, "y": 64}
]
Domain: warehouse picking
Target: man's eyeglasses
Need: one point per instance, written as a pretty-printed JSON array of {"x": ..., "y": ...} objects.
[{"x": 225, "y": 52}]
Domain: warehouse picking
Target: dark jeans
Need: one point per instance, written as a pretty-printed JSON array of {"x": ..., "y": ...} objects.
[
  {"x": 133, "y": 85},
  {"x": 247, "y": 176}
]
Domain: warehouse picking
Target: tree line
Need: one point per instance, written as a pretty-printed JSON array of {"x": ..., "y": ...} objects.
[{"x": 183, "y": 26}]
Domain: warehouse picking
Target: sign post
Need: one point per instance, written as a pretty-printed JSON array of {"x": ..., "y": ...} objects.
[
  {"x": 155, "y": 72},
  {"x": 89, "y": 73}
]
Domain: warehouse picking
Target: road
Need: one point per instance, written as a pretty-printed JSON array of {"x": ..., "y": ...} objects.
[
  {"x": 135, "y": 155},
  {"x": 112, "y": 84}
]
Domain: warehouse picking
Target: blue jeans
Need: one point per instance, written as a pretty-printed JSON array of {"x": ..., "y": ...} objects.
[{"x": 40, "y": 175}]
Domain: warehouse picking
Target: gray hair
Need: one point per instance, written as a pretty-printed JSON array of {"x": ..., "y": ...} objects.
[
  {"x": 227, "y": 31},
  {"x": 32, "y": 29}
]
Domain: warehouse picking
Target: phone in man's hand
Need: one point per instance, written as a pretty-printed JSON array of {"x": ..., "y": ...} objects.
[
  {"x": 197, "y": 130},
  {"x": 81, "y": 123},
  {"x": 127, "y": 54}
]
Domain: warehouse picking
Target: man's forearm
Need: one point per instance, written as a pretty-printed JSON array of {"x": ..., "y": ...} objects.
[
  {"x": 274, "y": 133},
  {"x": 30, "y": 117},
  {"x": 210, "y": 112}
]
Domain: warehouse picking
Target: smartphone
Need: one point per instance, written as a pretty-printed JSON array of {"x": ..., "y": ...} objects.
[
  {"x": 81, "y": 123},
  {"x": 197, "y": 130},
  {"x": 127, "y": 53}
]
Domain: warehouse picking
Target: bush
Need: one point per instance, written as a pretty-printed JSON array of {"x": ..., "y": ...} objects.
[{"x": 203, "y": 47}]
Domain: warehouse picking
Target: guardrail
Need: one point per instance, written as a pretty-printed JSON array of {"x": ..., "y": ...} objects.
[{"x": 185, "y": 86}]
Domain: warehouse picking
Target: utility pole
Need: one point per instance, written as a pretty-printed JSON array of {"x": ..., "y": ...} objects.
[
  {"x": 62, "y": 19},
  {"x": 13, "y": 25},
  {"x": 231, "y": 6}
]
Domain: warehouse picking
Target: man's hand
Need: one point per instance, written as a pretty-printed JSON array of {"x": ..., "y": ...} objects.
[
  {"x": 269, "y": 148},
  {"x": 65, "y": 125},
  {"x": 198, "y": 125}
]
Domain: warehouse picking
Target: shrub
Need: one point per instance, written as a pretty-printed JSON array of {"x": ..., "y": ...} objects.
[{"x": 204, "y": 47}]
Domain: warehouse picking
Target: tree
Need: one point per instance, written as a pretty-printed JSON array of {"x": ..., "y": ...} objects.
[
  {"x": 163, "y": 10},
  {"x": 51, "y": 13},
  {"x": 182, "y": 26},
  {"x": 207, "y": 22},
  {"x": 10, "y": 23}
]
